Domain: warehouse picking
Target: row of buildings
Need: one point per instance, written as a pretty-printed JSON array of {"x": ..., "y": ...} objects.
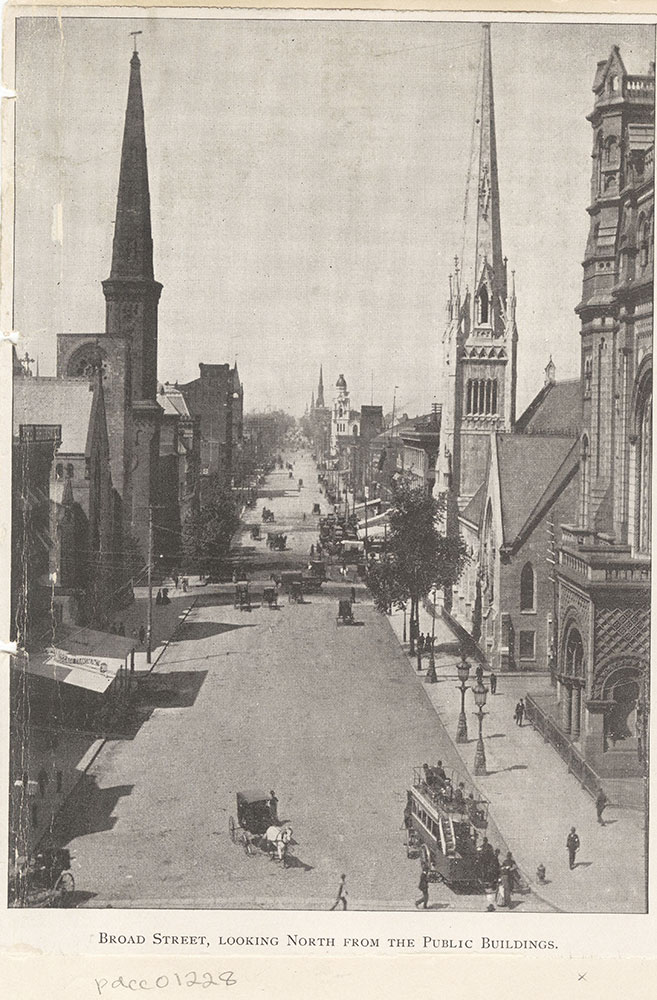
[
  {"x": 554, "y": 504},
  {"x": 102, "y": 450}
]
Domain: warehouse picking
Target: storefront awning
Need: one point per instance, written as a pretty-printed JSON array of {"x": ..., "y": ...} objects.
[{"x": 82, "y": 657}]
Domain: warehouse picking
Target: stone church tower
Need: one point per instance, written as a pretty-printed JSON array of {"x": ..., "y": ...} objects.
[
  {"x": 479, "y": 346},
  {"x": 128, "y": 348},
  {"x": 132, "y": 297}
]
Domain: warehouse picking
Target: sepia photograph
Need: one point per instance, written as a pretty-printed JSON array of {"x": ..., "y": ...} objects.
[{"x": 331, "y": 463}]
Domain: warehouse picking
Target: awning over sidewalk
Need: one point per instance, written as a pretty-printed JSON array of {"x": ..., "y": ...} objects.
[{"x": 82, "y": 657}]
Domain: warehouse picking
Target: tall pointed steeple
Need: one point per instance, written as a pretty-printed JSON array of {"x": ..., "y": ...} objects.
[
  {"x": 477, "y": 367},
  {"x": 132, "y": 252},
  {"x": 132, "y": 297},
  {"x": 488, "y": 238},
  {"x": 319, "y": 402},
  {"x": 131, "y": 292}
]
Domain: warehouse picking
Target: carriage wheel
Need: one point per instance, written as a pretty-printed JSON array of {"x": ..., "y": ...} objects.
[
  {"x": 425, "y": 857},
  {"x": 63, "y": 888},
  {"x": 231, "y": 829}
]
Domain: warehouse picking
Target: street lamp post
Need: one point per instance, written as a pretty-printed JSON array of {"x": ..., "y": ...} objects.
[
  {"x": 463, "y": 670},
  {"x": 431, "y": 672},
  {"x": 404, "y": 635},
  {"x": 480, "y": 692}
]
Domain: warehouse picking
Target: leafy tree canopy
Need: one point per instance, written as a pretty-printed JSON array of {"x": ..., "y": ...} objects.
[
  {"x": 419, "y": 557},
  {"x": 207, "y": 532}
]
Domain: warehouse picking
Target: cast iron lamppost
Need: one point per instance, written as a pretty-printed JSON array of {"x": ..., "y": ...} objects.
[
  {"x": 463, "y": 671},
  {"x": 404, "y": 635},
  {"x": 480, "y": 692},
  {"x": 431, "y": 672}
]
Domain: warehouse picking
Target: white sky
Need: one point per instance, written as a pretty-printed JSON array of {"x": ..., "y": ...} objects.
[{"x": 307, "y": 185}]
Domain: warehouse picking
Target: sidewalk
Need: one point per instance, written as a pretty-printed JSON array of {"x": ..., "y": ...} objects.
[{"x": 533, "y": 799}]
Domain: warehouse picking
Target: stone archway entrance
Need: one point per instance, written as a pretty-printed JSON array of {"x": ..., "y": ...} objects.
[
  {"x": 572, "y": 683},
  {"x": 622, "y": 716}
]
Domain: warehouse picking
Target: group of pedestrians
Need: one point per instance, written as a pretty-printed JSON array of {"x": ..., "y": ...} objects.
[{"x": 425, "y": 643}]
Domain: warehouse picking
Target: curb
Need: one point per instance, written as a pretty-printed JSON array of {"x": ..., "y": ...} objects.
[
  {"x": 94, "y": 750},
  {"x": 532, "y": 891}
]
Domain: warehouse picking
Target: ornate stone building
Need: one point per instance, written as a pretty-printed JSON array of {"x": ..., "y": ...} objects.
[{"x": 603, "y": 573}]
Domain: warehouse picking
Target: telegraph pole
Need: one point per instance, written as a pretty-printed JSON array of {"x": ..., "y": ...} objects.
[{"x": 149, "y": 610}]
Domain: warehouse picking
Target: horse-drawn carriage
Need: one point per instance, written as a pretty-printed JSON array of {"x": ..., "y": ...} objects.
[
  {"x": 317, "y": 509},
  {"x": 267, "y": 515},
  {"x": 43, "y": 880},
  {"x": 255, "y": 533},
  {"x": 242, "y": 596},
  {"x": 257, "y": 826},
  {"x": 345, "y": 614}
]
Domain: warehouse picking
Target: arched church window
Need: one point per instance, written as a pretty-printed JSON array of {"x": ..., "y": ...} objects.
[
  {"x": 613, "y": 84},
  {"x": 588, "y": 375},
  {"x": 483, "y": 305},
  {"x": 527, "y": 588},
  {"x": 644, "y": 469}
]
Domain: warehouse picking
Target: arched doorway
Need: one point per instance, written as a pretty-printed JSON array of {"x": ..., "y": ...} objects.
[{"x": 622, "y": 717}]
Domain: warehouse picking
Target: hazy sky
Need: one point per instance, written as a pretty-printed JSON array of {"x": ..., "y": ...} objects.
[{"x": 307, "y": 187}]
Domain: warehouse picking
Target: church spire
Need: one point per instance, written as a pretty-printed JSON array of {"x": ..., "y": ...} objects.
[
  {"x": 483, "y": 234},
  {"x": 319, "y": 402},
  {"x": 132, "y": 252},
  {"x": 131, "y": 292}
]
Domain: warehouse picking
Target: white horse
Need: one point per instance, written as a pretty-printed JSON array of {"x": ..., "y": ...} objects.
[{"x": 278, "y": 839}]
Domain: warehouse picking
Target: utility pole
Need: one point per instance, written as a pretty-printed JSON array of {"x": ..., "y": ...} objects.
[{"x": 149, "y": 610}]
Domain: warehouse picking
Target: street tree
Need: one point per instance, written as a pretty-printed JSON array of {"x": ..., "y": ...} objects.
[
  {"x": 207, "y": 532},
  {"x": 419, "y": 557}
]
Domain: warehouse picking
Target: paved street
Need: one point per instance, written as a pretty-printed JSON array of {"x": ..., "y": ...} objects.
[
  {"x": 333, "y": 719},
  {"x": 330, "y": 717}
]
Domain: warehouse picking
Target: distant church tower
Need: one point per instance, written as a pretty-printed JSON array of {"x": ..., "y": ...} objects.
[
  {"x": 479, "y": 346},
  {"x": 319, "y": 403},
  {"x": 132, "y": 297}
]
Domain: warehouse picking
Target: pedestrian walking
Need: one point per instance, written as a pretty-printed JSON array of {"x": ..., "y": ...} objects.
[
  {"x": 312, "y": 550},
  {"x": 508, "y": 870},
  {"x": 353, "y": 595},
  {"x": 572, "y": 843},
  {"x": 185, "y": 584},
  {"x": 479, "y": 674},
  {"x": 273, "y": 806},
  {"x": 493, "y": 682},
  {"x": 121, "y": 629},
  {"x": 158, "y": 597},
  {"x": 601, "y": 802},
  {"x": 520, "y": 712},
  {"x": 142, "y": 635},
  {"x": 341, "y": 896},
  {"x": 423, "y": 886}
]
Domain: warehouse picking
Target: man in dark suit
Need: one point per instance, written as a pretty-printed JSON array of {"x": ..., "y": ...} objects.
[{"x": 572, "y": 843}]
